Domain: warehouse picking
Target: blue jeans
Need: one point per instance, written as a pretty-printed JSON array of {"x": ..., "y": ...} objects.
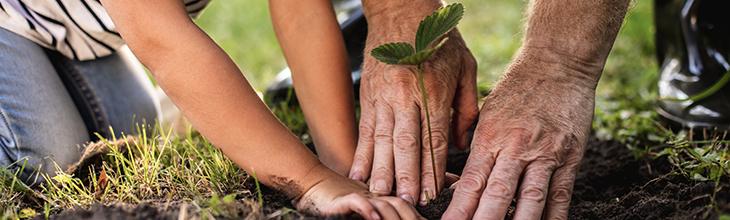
[{"x": 51, "y": 105}]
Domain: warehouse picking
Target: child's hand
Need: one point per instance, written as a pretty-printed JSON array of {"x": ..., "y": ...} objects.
[{"x": 337, "y": 196}]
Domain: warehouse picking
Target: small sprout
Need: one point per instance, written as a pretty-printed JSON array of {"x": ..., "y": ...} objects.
[{"x": 430, "y": 30}]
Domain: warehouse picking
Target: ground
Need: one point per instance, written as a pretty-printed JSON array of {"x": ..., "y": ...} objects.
[{"x": 634, "y": 168}]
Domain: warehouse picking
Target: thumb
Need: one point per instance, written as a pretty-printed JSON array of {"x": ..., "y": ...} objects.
[{"x": 465, "y": 103}]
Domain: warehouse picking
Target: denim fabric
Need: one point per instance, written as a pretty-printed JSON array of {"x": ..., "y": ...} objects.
[{"x": 50, "y": 105}]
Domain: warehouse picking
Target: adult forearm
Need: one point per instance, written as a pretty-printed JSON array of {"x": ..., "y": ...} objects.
[
  {"x": 576, "y": 34},
  {"x": 314, "y": 49}
]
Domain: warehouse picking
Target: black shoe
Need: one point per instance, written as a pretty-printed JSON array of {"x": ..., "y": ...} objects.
[{"x": 693, "y": 48}]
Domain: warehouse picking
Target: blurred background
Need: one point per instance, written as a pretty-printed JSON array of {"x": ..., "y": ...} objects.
[{"x": 492, "y": 29}]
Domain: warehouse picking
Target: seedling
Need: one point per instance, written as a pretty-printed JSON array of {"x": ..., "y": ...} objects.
[{"x": 430, "y": 30}]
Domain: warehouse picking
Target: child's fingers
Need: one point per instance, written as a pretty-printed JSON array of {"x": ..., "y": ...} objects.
[
  {"x": 381, "y": 178},
  {"x": 361, "y": 206},
  {"x": 362, "y": 163},
  {"x": 407, "y": 152},
  {"x": 405, "y": 210},
  {"x": 385, "y": 209}
]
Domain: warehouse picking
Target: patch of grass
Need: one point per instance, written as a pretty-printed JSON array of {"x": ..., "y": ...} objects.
[{"x": 156, "y": 168}]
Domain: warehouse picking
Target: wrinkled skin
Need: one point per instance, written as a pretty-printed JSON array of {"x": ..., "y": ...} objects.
[
  {"x": 393, "y": 134},
  {"x": 534, "y": 126}
]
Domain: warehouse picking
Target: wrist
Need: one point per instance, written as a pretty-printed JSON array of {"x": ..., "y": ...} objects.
[
  {"x": 552, "y": 63},
  {"x": 388, "y": 15},
  {"x": 317, "y": 174}
]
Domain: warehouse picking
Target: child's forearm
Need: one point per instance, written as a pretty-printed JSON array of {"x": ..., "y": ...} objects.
[
  {"x": 312, "y": 43},
  {"x": 213, "y": 94}
]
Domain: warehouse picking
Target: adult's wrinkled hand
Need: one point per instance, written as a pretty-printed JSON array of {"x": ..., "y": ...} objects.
[
  {"x": 528, "y": 143},
  {"x": 393, "y": 145}
]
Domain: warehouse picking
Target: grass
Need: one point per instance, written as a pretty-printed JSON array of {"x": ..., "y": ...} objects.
[{"x": 188, "y": 171}]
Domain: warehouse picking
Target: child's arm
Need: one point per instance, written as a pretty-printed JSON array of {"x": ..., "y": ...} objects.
[
  {"x": 213, "y": 94},
  {"x": 312, "y": 43}
]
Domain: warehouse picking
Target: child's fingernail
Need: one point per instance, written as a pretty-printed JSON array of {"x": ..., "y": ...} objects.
[
  {"x": 408, "y": 198},
  {"x": 375, "y": 216},
  {"x": 356, "y": 176}
]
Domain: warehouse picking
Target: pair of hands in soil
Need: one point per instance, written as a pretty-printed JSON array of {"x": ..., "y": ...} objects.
[{"x": 527, "y": 145}]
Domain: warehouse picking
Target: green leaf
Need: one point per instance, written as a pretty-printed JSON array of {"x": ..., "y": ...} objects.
[
  {"x": 421, "y": 56},
  {"x": 392, "y": 53},
  {"x": 438, "y": 24}
]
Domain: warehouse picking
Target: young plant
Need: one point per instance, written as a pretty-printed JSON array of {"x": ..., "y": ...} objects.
[{"x": 429, "y": 39}]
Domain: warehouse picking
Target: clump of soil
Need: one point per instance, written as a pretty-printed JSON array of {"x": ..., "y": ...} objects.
[{"x": 611, "y": 184}]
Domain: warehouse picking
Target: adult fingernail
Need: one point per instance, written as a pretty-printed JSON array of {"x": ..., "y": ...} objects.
[
  {"x": 408, "y": 198},
  {"x": 356, "y": 176},
  {"x": 379, "y": 186},
  {"x": 375, "y": 216},
  {"x": 425, "y": 198}
]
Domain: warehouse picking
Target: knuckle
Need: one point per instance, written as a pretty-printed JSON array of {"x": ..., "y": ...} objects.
[
  {"x": 381, "y": 172},
  {"x": 560, "y": 194},
  {"x": 365, "y": 129},
  {"x": 439, "y": 138},
  {"x": 405, "y": 142},
  {"x": 383, "y": 137},
  {"x": 533, "y": 193},
  {"x": 471, "y": 184},
  {"x": 405, "y": 179},
  {"x": 499, "y": 189}
]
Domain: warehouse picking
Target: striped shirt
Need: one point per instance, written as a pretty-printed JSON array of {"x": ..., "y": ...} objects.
[{"x": 78, "y": 29}]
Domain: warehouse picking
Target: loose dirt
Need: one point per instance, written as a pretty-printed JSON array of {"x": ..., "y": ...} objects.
[{"x": 611, "y": 184}]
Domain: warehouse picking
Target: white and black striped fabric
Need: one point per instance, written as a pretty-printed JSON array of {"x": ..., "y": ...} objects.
[{"x": 78, "y": 29}]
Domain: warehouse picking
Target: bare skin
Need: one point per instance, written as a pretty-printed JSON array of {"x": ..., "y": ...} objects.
[
  {"x": 534, "y": 126},
  {"x": 327, "y": 104},
  {"x": 214, "y": 95},
  {"x": 532, "y": 129},
  {"x": 393, "y": 147}
]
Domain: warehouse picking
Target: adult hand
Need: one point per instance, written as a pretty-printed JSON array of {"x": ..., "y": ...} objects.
[
  {"x": 529, "y": 140},
  {"x": 393, "y": 141},
  {"x": 339, "y": 195}
]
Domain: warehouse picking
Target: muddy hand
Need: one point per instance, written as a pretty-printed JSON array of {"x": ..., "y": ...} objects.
[
  {"x": 393, "y": 147},
  {"x": 341, "y": 196}
]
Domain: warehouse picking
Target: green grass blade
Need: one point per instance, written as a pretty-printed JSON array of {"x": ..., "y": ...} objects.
[{"x": 438, "y": 24}]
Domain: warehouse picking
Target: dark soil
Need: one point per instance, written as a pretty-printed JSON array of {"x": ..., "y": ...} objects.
[{"x": 611, "y": 184}]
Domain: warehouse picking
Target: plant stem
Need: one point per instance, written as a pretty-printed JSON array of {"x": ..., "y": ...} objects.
[{"x": 424, "y": 100}]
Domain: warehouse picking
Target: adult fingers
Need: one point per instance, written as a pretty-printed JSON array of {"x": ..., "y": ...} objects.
[
  {"x": 405, "y": 210},
  {"x": 561, "y": 190},
  {"x": 469, "y": 188},
  {"x": 535, "y": 182},
  {"x": 381, "y": 178},
  {"x": 385, "y": 210},
  {"x": 500, "y": 188},
  {"x": 363, "y": 160},
  {"x": 437, "y": 141},
  {"x": 465, "y": 106},
  {"x": 407, "y": 152}
]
